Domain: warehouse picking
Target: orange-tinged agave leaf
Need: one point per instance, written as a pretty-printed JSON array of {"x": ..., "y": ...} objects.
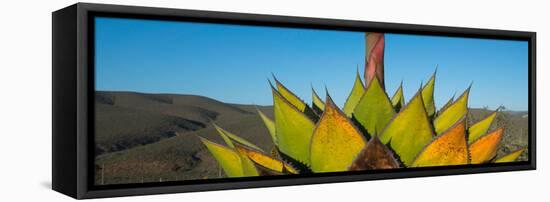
[
  {"x": 449, "y": 148},
  {"x": 335, "y": 142},
  {"x": 227, "y": 158},
  {"x": 409, "y": 131},
  {"x": 374, "y": 60},
  {"x": 292, "y": 128},
  {"x": 480, "y": 128},
  {"x": 288, "y": 169},
  {"x": 265, "y": 160},
  {"x": 452, "y": 114},
  {"x": 398, "y": 99},
  {"x": 230, "y": 137},
  {"x": 355, "y": 95},
  {"x": 269, "y": 124},
  {"x": 511, "y": 157},
  {"x": 249, "y": 169},
  {"x": 263, "y": 171},
  {"x": 428, "y": 96},
  {"x": 374, "y": 110},
  {"x": 485, "y": 148},
  {"x": 375, "y": 155},
  {"x": 318, "y": 104}
]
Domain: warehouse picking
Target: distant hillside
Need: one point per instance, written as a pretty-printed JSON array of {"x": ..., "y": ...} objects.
[
  {"x": 153, "y": 137},
  {"x": 126, "y": 119},
  {"x": 146, "y": 137}
]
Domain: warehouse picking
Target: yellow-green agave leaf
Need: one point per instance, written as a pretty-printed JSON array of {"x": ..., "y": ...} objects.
[
  {"x": 318, "y": 104},
  {"x": 355, "y": 95},
  {"x": 375, "y": 155},
  {"x": 480, "y": 128},
  {"x": 485, "y": 148},
  {"x": 269, "y": 124},
  {"x": 409, "y": 131},
  {"x": 452, "y": 114},
  {"x": 294, "y": 100},
  {"x": 374, "y": 110},
  {"x": 398, "y": 99},
  {"x": 446, "y": 105},
  {"x": 449, "y": 148},
  {"x": 511, "y": 157},
  {"x": 230, "y": 137},
  {"x": 428, "y": 96},
  {"x": 290, "y": 96},
  {"x": 292, "y": 128},
  {"x": 266, "y": 161},
  {"x": 335, "y": 142},
  {"x": 227, "y": 158}
]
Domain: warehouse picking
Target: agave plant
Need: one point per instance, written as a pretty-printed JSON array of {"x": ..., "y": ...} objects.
[{"x": 372, "y": 131}]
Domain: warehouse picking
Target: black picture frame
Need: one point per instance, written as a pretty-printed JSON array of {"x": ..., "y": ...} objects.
[{"x": 73, "y": 98}]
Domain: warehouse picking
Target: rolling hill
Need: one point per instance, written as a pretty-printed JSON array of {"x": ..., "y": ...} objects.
[{"x": 148, "y": 137}]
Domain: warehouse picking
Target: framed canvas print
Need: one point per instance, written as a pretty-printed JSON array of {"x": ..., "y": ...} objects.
[{"x": 154, "y": 100}]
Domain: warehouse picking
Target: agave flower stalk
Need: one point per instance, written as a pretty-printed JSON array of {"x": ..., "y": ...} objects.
[{"x": 374, "y": 60}]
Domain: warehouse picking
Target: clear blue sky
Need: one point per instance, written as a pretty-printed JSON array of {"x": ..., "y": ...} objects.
[{"x": 232, "y": 63}]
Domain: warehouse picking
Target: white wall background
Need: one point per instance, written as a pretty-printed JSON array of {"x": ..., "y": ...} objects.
[{"x": 25, "y": 99}]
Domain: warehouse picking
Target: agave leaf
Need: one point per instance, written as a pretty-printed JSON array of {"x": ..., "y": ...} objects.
[
  {"x": 274, "y": 152},
  {"x": 230, "y": 137},
  {"x": 263, "y": 171},
  {"x": 269, "y": 124},
  {"x": 265, "y": 161},
  {"x": 292, "y": 128},
  {"x": 480, "y": 128},
  {"x": 485, "y": 148},
  {"x": 374, "y": 110},
  {"x": 428, "y": 96},
  {"x": 318, "y": 104},
  {"x": 398, "y": 99},
  {"x": 409, "y": 131},
  {"x": 227, "y": 158},
  {"x": 449, "y": 148},
  {"x": 511, "y": 157},
  {"x": 231, "y": 140},
  {"x": 249, "y": 169},
  {"x": 335, "y": 142},
  {"x": 295, "y": 100},
  {"x": 355, "y": 95},
  {"x": 375, "y": 155},
  {"x": 452, "y": 114},
  {"x": 446, "y": 105},
  {"x": 374, "y": 60},
  {"x": 290, "y": 96}
]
